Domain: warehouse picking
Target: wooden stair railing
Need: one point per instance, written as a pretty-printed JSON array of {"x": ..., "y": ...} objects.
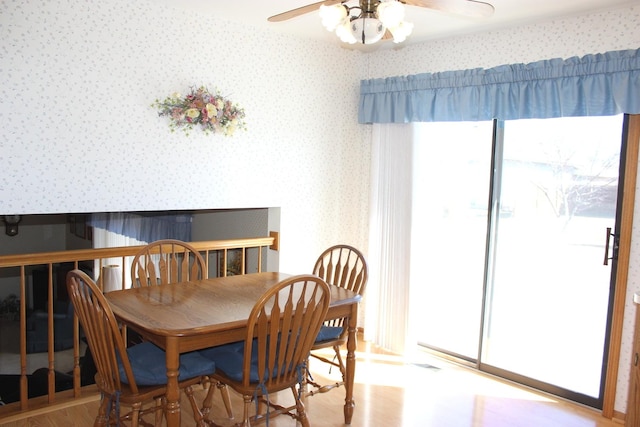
[{"x": 250, "y": 248}]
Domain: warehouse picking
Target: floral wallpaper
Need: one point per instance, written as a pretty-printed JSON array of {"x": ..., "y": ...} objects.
[
  {"x": 78, "y": 133},
  {"x": 615, "y": 29}
]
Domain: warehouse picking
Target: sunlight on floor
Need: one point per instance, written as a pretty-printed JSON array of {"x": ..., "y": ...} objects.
[{"x": 424, "y": 391}]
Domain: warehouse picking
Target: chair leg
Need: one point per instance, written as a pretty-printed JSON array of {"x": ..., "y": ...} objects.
[
  {"x": 101, "y": 419},
  {"x": 207, "y": 403},
  {"x": 301, "y": 414},
  {"x": 224, "y": 391},
  {"x": 245, "y": 415},
  {"x": 197, "y": 413},
  {"x": 159, "y": 412},
  {"x": 343, "y": 369},
  {"x": 135, "y": 414}
]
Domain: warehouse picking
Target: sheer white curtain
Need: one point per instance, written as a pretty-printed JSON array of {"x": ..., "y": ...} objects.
[{"x": 387, "y": 310}]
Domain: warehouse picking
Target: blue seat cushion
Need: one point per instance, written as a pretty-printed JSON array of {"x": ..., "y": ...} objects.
[
  {"x": 229, "y": 360},
  {"x": 328, "y": 333},
  {"x": 148, "y": 363}
]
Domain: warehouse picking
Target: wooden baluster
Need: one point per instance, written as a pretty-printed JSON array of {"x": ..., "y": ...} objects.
[
  {"x": 24, "y": 384},
  {"x": 224, "y": 263},
  {"x": 50, "y": 339}
]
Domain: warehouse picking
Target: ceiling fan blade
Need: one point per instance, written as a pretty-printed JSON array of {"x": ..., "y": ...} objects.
[
  {"x": 471, "y": 8},
  {"x": 301, "y": 10}
]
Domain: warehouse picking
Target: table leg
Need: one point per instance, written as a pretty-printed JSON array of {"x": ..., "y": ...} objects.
[
  {"x": 349, "y": 403},
  {"x": 173, "y": 391}
]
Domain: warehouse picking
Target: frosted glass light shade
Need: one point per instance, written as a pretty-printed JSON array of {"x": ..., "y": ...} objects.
[
  {"x": 401, "y": 32},
  {"x": 343, "y": 31},
  {"x": 391, "y": 13},
  {"x": 367, "y": 30},
  {"x": 332, "y": 16}
]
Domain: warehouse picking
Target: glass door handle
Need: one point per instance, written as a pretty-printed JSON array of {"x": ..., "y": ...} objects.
[{"x": 606, "y": 246}]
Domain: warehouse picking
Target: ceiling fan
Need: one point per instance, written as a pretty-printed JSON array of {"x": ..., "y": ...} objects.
[{"x": 372, "y": 20}]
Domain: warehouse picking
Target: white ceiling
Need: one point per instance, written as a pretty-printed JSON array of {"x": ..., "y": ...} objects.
[{"x": 428, "y": 24}]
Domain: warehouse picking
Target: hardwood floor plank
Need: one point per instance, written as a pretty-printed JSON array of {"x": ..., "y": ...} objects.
[{"x": 391, "y": 392}]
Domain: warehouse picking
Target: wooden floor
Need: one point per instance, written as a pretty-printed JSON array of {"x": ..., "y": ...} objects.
[{"x": 390, "y": 392}]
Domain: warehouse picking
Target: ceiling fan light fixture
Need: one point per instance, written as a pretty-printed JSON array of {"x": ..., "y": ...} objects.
[
  {"x": 366, "y": 23},
  {"x": 348, "y": 19},
  {"x": 333, "y": 16},
  {"x": 367, "y": 30}
]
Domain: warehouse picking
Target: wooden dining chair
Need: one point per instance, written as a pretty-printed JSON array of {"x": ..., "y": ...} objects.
[
  {"x": 346, "y": 267},
  {"x": 165, "y": 262},
  {"x": 170, "y": 261},
  {"x": 128, "y": 376},
  {"x": 281, "y": 329}
]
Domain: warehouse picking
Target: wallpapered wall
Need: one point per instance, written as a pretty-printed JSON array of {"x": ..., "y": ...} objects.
[
  {"x": 78, "y": 133},
  {"x": 616, "y": 29}
]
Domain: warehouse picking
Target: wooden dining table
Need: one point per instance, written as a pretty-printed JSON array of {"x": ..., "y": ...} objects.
[{"x": 198, "y": 314}]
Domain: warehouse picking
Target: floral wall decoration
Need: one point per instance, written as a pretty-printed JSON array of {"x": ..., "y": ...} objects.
[{"x": 200, "y": 108}]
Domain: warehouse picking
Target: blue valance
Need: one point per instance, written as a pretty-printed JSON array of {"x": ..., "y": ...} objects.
[
  {"x": 593, "y": 85},
  {"x": 146, "y": 227}
]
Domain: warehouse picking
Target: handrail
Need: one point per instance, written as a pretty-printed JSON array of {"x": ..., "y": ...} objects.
[
  {"x": 117, "y": 252},
  {"x": 77, "y": 257}
]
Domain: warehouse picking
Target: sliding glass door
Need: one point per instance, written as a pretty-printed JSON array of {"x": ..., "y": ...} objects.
[
  {"x": 532, "y": 200},
  {"x": 548, "y": 291}
]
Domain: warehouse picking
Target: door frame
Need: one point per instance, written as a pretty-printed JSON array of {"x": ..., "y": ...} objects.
[{"x": 632, "y": 133}]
